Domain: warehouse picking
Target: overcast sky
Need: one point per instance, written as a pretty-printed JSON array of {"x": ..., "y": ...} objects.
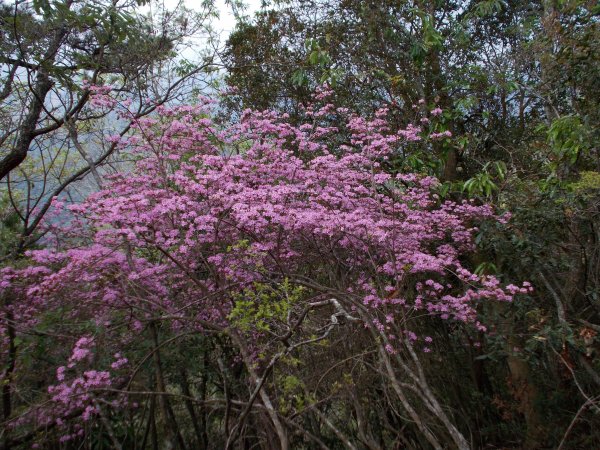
[{"x": 226, "y": 22}]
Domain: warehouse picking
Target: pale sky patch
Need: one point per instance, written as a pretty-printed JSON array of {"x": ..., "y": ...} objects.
[{"x": 225, "y": 24}]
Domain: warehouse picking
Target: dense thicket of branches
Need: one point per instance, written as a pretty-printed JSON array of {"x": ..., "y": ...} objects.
[{"x": 349, "y": 267}]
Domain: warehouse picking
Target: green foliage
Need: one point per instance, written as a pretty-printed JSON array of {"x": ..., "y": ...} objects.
[
  {"x": 588, "y": 183},
  {"x": 262, "y": 305},
  {"x": 9, "y": 225},
  {"x": 486, "y": 8},
  {"x": 568, "y": 137},
  {"x": 483, "y": 184}
]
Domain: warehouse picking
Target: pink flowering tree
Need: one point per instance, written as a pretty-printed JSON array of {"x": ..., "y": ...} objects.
[{"x": 270, "y": 241}]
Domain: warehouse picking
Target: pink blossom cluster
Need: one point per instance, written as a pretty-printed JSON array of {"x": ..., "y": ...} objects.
[
  {"x": 99, "y": 95},
  {"x": 209, "y": 210},
  {"x": 441, "y": 135}
]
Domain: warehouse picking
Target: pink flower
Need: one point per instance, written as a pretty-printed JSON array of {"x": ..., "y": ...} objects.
[{"x": 207, "y": 215}]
